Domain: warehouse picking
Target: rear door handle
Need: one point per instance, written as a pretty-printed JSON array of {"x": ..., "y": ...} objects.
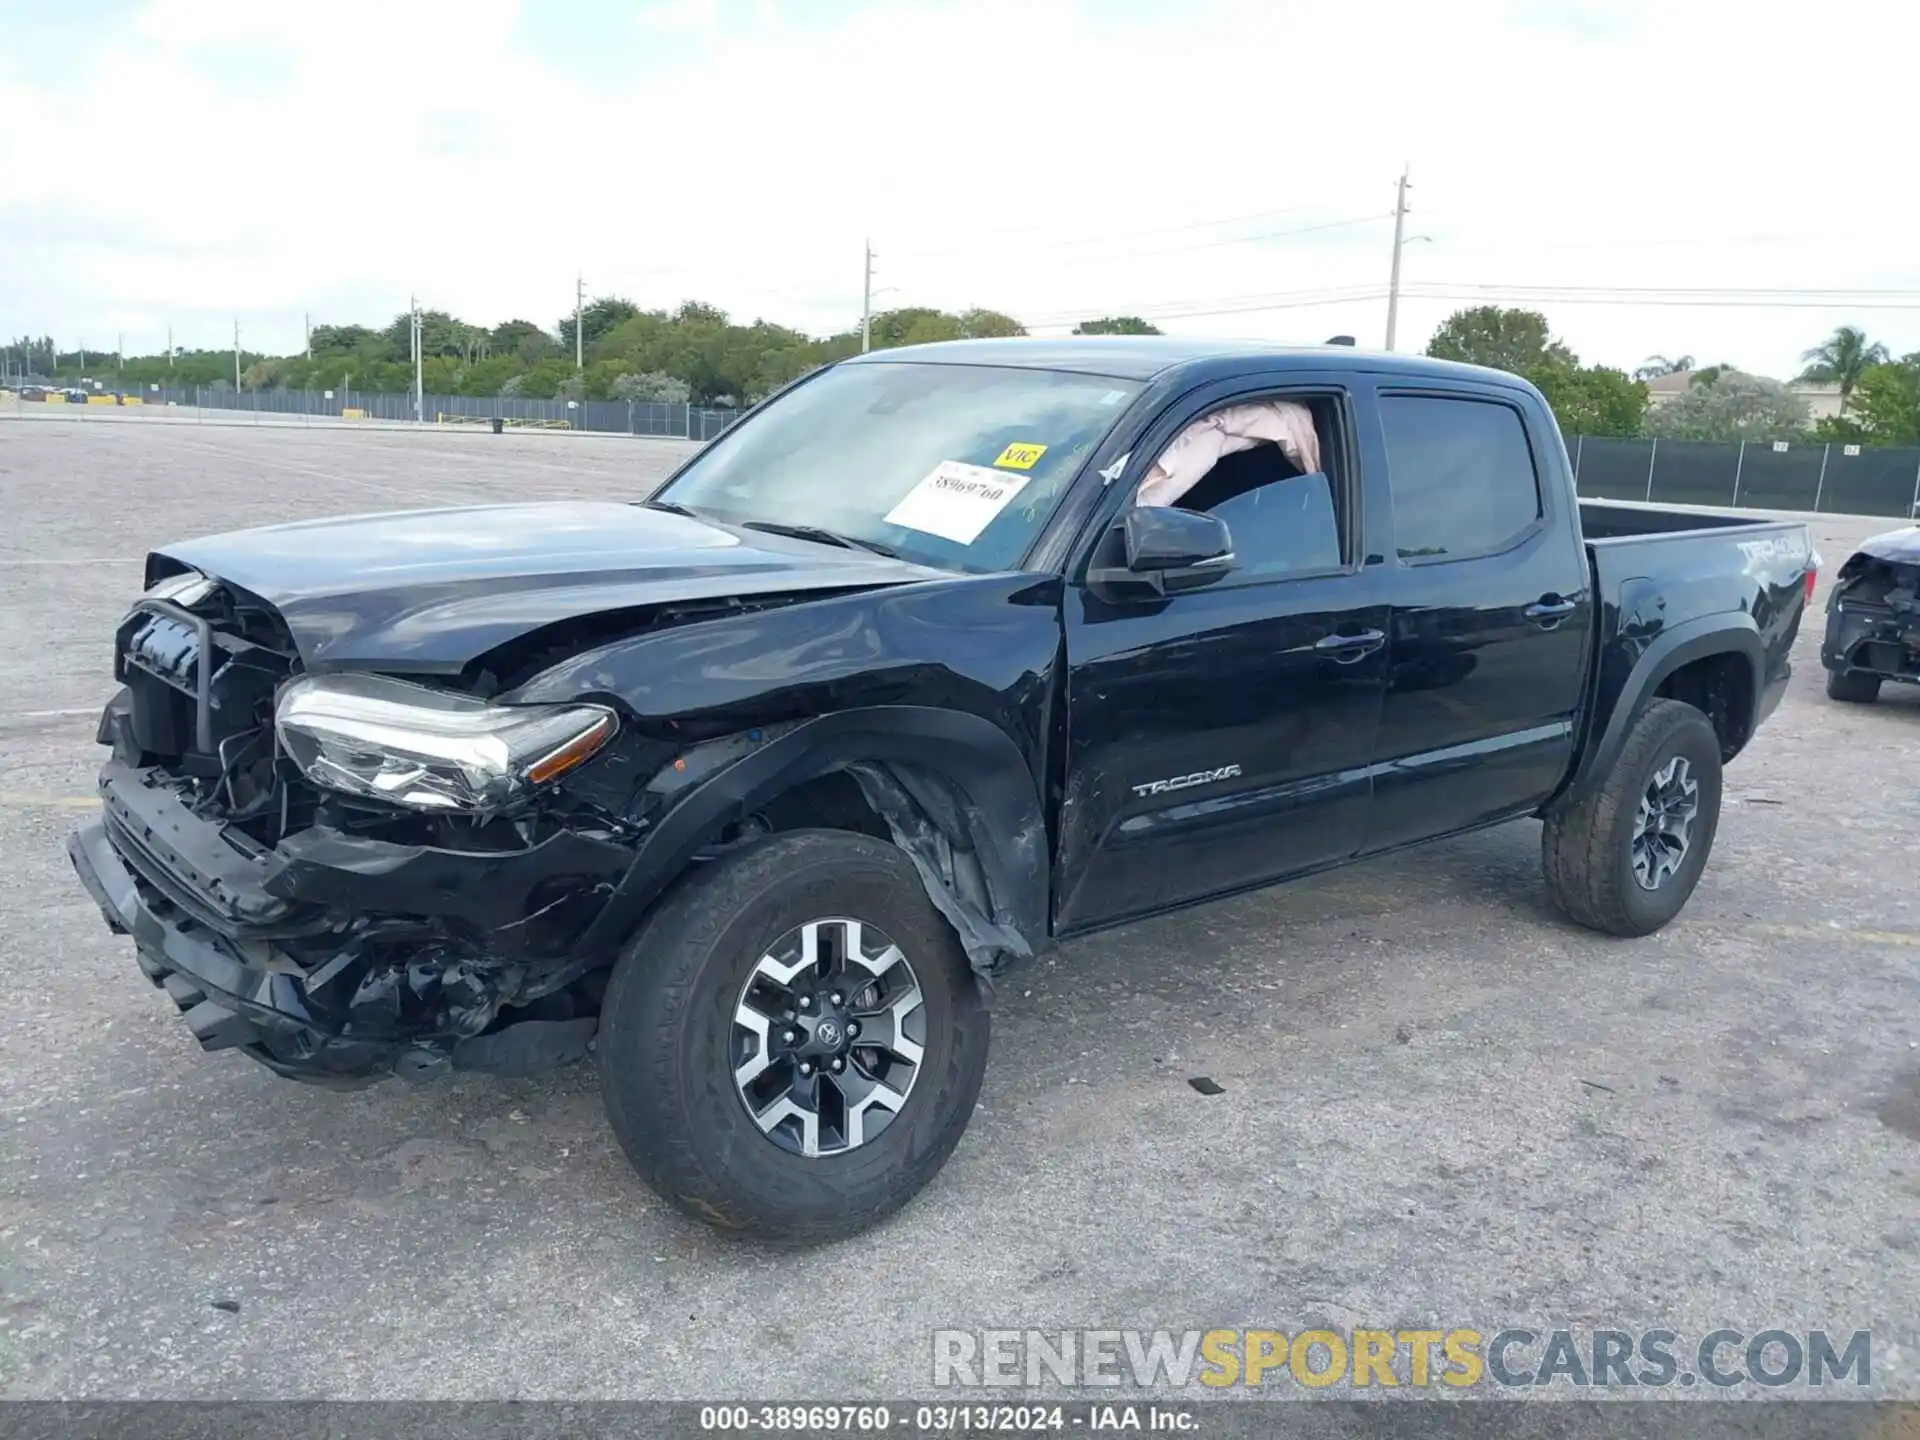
[
  {"x": 1553, "y": 611},
  {"x": 1361, "y": 645}
]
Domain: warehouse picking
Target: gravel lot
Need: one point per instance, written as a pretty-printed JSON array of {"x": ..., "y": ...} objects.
[{"x": 1441, "y": 1106}]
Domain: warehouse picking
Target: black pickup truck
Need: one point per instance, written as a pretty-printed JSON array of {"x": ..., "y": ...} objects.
[
  {"x": 1873, "y": 618},
  {"x": 939, "y": 656}
]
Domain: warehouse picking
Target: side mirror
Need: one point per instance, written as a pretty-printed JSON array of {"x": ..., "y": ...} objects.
[{"x": 1163, "y": 551}]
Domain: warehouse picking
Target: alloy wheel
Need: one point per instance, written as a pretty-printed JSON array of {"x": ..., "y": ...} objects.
[
  {"x": 1663, "y": 824},
  {"x": 828, "y": 1037}
]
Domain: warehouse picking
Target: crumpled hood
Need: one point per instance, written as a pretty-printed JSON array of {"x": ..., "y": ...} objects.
[
  {"x": 1898, "y": 547},
  {"x": 427, "y": 591}
]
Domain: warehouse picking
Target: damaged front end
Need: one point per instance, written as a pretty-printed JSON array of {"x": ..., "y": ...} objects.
[
  {"x": 348, "y": 877},
  {"x": 1873, "y": 612}
]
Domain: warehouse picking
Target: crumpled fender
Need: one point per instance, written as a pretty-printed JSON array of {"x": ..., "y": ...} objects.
[{"x": 951, "y": 785}]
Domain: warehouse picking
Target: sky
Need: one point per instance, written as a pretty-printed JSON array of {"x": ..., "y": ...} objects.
[{"x": 1646, "y": 172}]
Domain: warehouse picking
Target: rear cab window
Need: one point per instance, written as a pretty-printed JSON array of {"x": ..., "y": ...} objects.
[{"x": 1462, "y": 475}]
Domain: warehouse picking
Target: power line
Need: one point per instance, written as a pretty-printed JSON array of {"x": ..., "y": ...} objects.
[
  {"x": 1082, "y": 259},
  {"x": 1249, "y": 305},
  {"x": 978, "y": 241},
  {"x": 1696, "y": 302},
  {"x": 1757, "y": 297},
  {"x": 1267, "y": 300}
]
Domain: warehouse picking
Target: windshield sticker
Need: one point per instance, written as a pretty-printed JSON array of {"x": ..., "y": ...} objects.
[
  {"x": 1113, "y": 397},
  {"x": 1021, "y": 455},
  {"x": 957, "y": 501}
]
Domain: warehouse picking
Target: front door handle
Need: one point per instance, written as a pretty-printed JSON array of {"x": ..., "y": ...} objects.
[
  {"x": 1549, "y": 613},
  {"x": 1360, "y": 646}
]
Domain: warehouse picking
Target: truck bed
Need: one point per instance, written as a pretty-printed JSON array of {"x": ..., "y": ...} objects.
[
  {"x": 1602, "y": 520},
  {"x": 1664, "y": 577}
]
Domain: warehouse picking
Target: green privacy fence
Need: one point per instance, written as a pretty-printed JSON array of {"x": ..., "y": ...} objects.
[{"x": 1833, "y": 479}]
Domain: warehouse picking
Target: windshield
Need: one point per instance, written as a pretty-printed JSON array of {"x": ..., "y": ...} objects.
[{"x": 956, "y": 466}]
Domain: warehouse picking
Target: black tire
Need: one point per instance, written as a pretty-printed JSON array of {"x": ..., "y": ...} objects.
[
  {"x": 665, "y": 1069},
  {"x": 1855, "y": 687},
  {"x": 1587, "y": 848}
]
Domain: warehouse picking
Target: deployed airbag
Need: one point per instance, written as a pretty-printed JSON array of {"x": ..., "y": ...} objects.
[{"x": 1196, "y": 449}]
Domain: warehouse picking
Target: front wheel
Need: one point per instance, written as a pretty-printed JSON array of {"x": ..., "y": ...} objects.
[
  {"x": 793, "y": 1043},
  {"x": 1625, "y": 859}
]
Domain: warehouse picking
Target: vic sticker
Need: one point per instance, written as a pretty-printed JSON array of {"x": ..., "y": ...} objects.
[
  {"x": 957, "y": 501},
  {"x": 1020, "y": 455}
]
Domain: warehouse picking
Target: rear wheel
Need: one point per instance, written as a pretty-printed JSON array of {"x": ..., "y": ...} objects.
[
  {"x": 793, "y": 1043},
  {"x": 1626, "y": 859},
  {"x": 1856, "y": 687}
]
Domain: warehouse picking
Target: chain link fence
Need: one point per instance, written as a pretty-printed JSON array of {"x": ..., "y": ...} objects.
[
  {"x": 616, "y": 417},
  {"x": 1813, "y": 476}
]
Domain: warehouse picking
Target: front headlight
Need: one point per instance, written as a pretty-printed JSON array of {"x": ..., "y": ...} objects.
[
  {"x": 187, "y": 589},
  {"x": 427, "y": 749}
]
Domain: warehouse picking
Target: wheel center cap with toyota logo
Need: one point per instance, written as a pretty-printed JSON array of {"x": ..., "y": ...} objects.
[{"x": 827, "y": 1032}]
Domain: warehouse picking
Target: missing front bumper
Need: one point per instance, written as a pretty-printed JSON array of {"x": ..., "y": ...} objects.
[
  {"x": 269, "y": 956},
  {"x": 228, "y": 1002},
  {"x": 1871, "y": 640}
]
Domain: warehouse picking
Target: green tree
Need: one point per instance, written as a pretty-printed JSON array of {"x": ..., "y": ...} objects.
[
  {"x": 489, "y": 376},
  {"x": 330, "y": 340},
  {"x": 1734, "y": 406},
  {"x": 652, "y": 387},
  {"x": 1655, "y": 366},
  {"x": 1513, "y": 340},
  {"x": 542, "y": 381},
  {"x": 1886, "y": 406},
  {"x": 1593, "y": 401},
  {"x": 1116, "y": 325},
  {"x": 977, "y": 324},
  {"x": 915, "y": 325},
  {"x": 596, "y": 319},
  {"x": 522, "y": 339},
  {"x": 1841, "y": 359}
]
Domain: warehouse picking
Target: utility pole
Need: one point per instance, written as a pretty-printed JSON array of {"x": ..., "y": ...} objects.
[
  {"x": 308, "y": 318},
  {"x": 419, "y": 401},
  {"x": 1399, "y": 239},
  {"x": 866, "y": 303},
  {"x": 579, "y": 317},
  {"x": 169, "y": 347},
  {"x": 119, "y": 360},
  {"x": 236, "y": 352}
]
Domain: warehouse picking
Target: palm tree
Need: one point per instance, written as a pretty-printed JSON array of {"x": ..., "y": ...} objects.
[
  {"x": 1658, "y": 365},
  {"x": 1842, "y": 359}
]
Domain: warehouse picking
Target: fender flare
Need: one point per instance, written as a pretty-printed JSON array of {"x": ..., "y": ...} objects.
[
  {"x": 935, "y": 775},
  {"x": 1724, "y": 634}
]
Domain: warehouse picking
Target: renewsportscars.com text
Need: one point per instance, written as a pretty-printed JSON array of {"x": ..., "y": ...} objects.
[{"x": 1360, "y": 1358}]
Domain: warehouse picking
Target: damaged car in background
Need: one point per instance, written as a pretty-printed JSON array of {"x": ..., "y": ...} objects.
[
  {"x": 1873, "y": 618},
  {"x": 751, "y": 789}
]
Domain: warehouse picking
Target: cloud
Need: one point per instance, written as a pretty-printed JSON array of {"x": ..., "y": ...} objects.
[
  {"x": 1045, "y": 157},
  {"x": 678, "y": 15}
]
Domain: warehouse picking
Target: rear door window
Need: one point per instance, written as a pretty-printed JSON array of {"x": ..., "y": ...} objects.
[{"x": 1462, "y": 476}]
